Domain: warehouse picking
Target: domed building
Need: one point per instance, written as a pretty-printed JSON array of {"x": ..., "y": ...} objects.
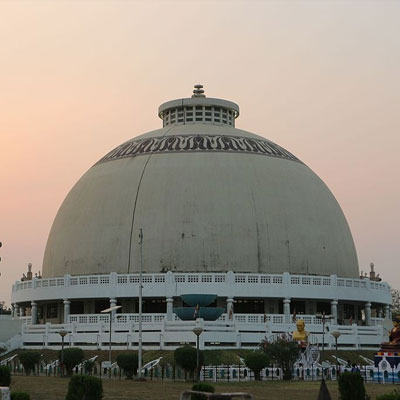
[{"x": 200, "y": 207}]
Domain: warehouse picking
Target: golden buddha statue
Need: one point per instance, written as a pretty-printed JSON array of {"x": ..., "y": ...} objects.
[
  {"x": 394, "y": 337},
  {"x": 300, "y": 335}
]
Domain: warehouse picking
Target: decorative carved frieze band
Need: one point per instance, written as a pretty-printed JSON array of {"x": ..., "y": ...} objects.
[{"x": 197, "y": 143}]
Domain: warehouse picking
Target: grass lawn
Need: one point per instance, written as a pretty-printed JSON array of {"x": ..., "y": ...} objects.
[{"x": 53, "y": 388}]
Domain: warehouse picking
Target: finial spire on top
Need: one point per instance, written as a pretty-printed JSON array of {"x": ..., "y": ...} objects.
[{"x": 198, "y": 91}]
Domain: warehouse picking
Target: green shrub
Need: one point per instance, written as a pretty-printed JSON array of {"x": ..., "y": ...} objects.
[
  {"x": 186, "y": 358},
  {"x": 5, "y": 376},
  {"x": 256, "y": 361},
  {"x": 88, "y": 366},
  {"x": 351, "y": 386},
  {"x": 84, "y": 387},
  {"x": 72, "y": 357},
  {"x": 395, "y": 395},
  {"x": 284, "y": 352},
  {"x": 28, "y": 360},
  {"x": 201, "y": 387},
  {"x": 20, "y": 396},
  {"x": 129, "y": 363}
]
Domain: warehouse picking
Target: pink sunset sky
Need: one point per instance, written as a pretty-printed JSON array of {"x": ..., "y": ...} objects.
[{"x": 320, "y": 78}]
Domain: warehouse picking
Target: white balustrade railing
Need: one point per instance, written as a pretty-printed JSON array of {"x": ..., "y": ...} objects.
[
  {"x": 377, "y": 321},
  {"x": 201, "y": 278},
  {"x": 26, "y": 319},
  {"x": 239, "y": 319},
  {"x": 119, "y": 318}
]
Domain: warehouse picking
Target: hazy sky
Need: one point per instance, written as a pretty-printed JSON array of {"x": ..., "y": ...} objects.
[{"x": 320, "y": 78}]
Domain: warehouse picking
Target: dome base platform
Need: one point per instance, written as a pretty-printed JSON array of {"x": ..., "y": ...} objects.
[{"x": 257, "y": 306}]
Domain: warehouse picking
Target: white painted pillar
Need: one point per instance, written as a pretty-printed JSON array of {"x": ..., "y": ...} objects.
[
  {"x": 22, "y": 312},
  {"x": 34, "y": 312},
  {"x": 14, "y": 310},
  {"x": 229, "y": 308},
  {"x": 387, "y": 311},
  {"x": 367, "y": 310},
  {"x": 170, "y": 305},
  {"x": 286, "y": 310},
  {"x": 380, "y": 312},
  {"x": 113, "y": 303},
  {"x": 67, "y": 307},
  {"x": 334, "y": 304}
]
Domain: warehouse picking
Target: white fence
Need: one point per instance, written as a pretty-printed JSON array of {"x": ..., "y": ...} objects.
[{"x": 200, "y": 278}]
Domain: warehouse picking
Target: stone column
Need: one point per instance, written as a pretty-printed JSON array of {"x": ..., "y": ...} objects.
[
  {"x": 113, "y": 303},
  {"x": 67, "y": 307},
  {"x": 22, "y": 312},
  {"x": 334, "y": 304},
  {"x": 286, "y": 310},
  {"x": 34, "y": 312},
  {"x": 13, "y": 305},
  {"x": 229, "y": 308},
  {"x": 367, "y": 310},
  {"x": 170, "y": 305},
  {"x": 380, "y": 312},
  {"x": 387, "y": 311}
]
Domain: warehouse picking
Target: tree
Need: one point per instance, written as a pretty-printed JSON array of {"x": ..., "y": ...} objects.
[
  {"x": 201, "y": 387},
  {"x": 284, "y": 352},
  {"x": 4, "y": 309},
  {"x": 351, "y": 386},
  {"x": 28, "y": 360},
  {"x": 72, "y": 357},
  {"x": 129, "y": 363},
  {"x": 256, "y": 361},
  {"x": 83, "y": 387},
  {"x": 395, "y": 301},
  {"x": 88, "y": 366},
  {"x": 5, "y": 376},
  {"x": 186, "y": 357}
]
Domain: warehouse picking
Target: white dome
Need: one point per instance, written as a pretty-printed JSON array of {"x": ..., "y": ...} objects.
[{"x": 208, "y": 197}]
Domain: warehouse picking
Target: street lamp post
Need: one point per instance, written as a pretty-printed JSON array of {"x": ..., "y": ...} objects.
[
  {"x": 324, "y": 319},
  {"x": 336, "y": 335},
  {"x": 62, "y": 333},
  {"x": 110, "y": 311},
  {"x": 198, "y": 330},
  {"x": 140, "y": 305}
]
